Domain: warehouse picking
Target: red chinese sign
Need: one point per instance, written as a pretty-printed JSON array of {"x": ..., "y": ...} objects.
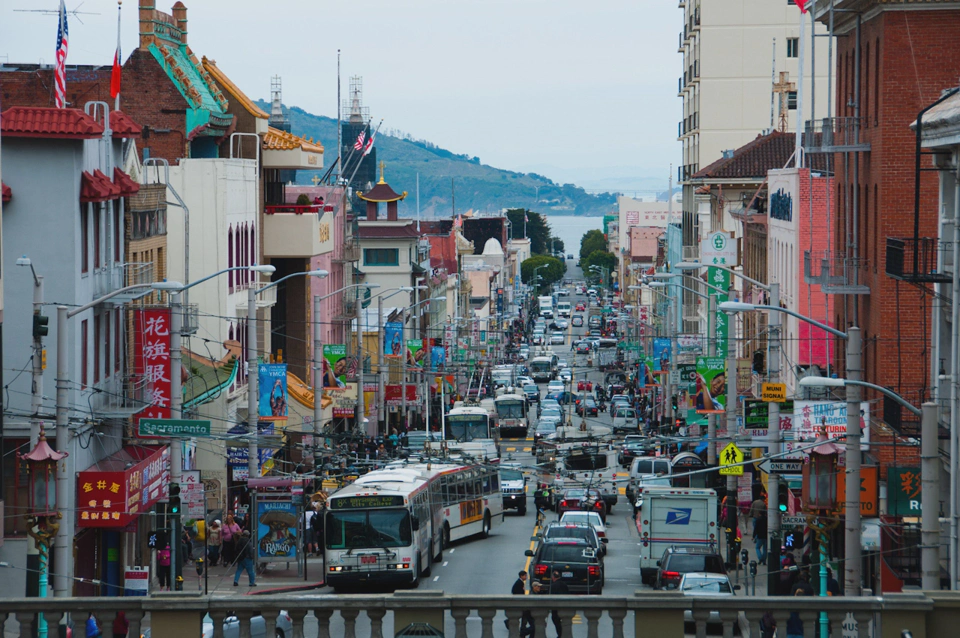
[
  {"x": 116, "y": 495},
  {"x": 393, "y": 395},
  {"x": 152, "y": 348}
]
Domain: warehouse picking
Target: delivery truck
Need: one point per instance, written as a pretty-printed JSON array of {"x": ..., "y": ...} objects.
[{"x": 669, "y": 516}]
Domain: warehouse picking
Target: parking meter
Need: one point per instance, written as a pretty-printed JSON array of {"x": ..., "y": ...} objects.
[
  {"x": 199, "y": 566},
  {"x": 753, "y": 568},
  {"x": 744, "y": 557}
]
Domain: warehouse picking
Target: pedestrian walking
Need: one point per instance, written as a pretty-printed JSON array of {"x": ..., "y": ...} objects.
[
  {"x": 794, "y": 623},
  {"x": 163, "y": 568},
  {"x": 120, "y": 625},
  {"x": 93, "y": 627},
  {"x": 245, "y": 559},
  {"x": 760, "y": 538},
  {"x": 231, "y": 534},
  {"x": 520, "y": 589},
  {"x": 316, "y": 523},
  {"x": 214, "y": 542},
  {"x": 309, "y": 538},
  {"x": 557, "y": 587}
]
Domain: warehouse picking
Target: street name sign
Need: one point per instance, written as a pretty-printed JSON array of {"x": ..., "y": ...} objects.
[
  {"x": 793, "y": 521},
  {"x": 773, "y": 392},
  {"x": 730, "y": 457},
  {"x": 173, "y": 428}
]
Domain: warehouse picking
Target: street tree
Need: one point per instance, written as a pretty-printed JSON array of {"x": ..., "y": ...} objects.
[
  {"x": 602, "y": 259},
  {"x": 552, "y": 271},
  {"x": 593, "y": 240}
]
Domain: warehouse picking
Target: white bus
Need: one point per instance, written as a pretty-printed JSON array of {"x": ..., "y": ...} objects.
[
  {"x": 512, "y": 420},
  {"x": 391, "y": 525},
  {"x": 470, "y": 423},
  {"x": 543, "y": 368}
]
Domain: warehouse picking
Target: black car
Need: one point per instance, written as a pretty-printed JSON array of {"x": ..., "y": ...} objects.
[
  {"x": 587, "y": 533},
  {"x": 583, "y": 348},
  {"x": 579, "y": 566},
  {"x": 588, "y": 407},
  {"x": 683, "y": 559},
  {"x": 532, "y": 393},
  {"x": 631, "y": 450}
]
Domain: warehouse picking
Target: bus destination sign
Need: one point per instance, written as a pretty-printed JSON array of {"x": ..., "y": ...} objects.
[{"x": 360, "y": 502}]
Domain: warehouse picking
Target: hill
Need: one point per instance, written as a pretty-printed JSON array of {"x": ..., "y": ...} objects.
[{"x": 476, "y": 185}]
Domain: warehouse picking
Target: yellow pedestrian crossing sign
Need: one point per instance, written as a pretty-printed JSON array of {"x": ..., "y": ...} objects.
[{"x": 730, "y": 458}]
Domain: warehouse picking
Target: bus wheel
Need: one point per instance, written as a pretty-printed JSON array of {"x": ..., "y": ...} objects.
[
  {"x": 486, "y": 525},
  {"x": 416, "y": 575},
  {"x": 426, "y": 572}
]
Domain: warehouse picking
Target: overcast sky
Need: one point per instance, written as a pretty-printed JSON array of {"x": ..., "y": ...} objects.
[{"x": 571, "y": 89}]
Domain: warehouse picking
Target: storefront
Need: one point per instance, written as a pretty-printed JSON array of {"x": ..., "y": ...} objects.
[{"x": 114, "y": 499}]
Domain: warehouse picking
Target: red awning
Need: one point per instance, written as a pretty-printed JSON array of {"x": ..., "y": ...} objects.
[
  {"x": 97, "y": 187},
  {"x": 123, "y": 126},
  {"x": 116, "y": 490},
  {"x": 7, "y": 192},
  {"x": 31, "y": 121},
  {"x": 124, "y": 182}
]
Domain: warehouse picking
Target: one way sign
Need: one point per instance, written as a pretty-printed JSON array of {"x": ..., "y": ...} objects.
[{"x": 785, "y": 466}]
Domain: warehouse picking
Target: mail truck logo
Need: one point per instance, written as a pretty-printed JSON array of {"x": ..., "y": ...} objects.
[{"x": 678, "y": 516}]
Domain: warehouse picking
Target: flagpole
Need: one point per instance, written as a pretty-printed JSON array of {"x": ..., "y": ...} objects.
[
  {"x": 116, "y": 100},
  {"x": 801, "y": 52},
  {"x": 339, "y": 132}
]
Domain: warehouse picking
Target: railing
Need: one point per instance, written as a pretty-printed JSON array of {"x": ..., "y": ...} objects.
[
  {"x": 351, "y": 252},
  {"x": 916, "y": 259},
  {"x": 293, "y": 208},
  {"x": 835, "y": 135},
  {"x": 659, "y": 614},
  {"x": 836, "y": 274},
  {"x": 122, "y": 397},
  {"x": 112, "y": 278},
  {"x": 190, "y": 322}
]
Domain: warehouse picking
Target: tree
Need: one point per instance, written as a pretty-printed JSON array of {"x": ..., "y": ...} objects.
[
  {"x": 593, "y": 240},
  {"x": 552, "y": 271},
  {"x": 557, "y": 244},
  {"x": 600, "y": 258},
  {"x": 537, "y": 228}
]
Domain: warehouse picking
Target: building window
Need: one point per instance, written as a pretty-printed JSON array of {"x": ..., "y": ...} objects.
[
  {"x": 84, "y": 239},
  {"x": 381, "y": 257},
  {"x": 792, "y": 100},
  {"x": 84, "y": 353},
  {"x": 106, "y": 347},
  {"x": 793, "y": 47}
]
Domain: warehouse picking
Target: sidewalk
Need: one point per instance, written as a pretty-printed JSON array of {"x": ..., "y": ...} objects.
[{"x": 278, "y": 578}]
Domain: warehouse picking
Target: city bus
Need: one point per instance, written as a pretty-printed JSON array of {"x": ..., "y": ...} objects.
[
  {"x": 390, "y": 526},
  {"x": 512, "y": 420},
  {"x": 543, "y": 368},
  {"x": 469, "y": 423}
]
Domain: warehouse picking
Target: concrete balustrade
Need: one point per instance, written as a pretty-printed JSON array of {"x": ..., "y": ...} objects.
[{"x": 658, "y": 614}]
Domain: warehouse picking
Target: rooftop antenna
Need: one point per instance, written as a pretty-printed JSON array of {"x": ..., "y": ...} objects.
[
  {"x": 72, "y": 12},
  {"x": 277, "y": 118}
]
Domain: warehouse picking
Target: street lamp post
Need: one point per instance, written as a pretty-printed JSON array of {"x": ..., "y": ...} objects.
[{"x": 852, "y": 549}]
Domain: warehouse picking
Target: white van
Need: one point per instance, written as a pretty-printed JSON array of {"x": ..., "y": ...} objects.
[
  {"x": 626, "y": 420},
  {"x": 564, "y": 308},
  {"x": 646, "y": 467}
]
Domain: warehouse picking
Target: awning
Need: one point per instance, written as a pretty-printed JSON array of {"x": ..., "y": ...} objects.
[
  {"x": 115, "y": 491},
  {"x": 701, "y": 447},
  {"x": 126, "y": 185},
  {"x": 97, "y": 187}
]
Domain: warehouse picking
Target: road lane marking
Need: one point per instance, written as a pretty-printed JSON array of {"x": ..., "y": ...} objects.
[
  {"x": 445, "y": 563},
  {"x": 511, "y": 449},
  {"x": 453, "y": 550},
  {"x": 436, "y": 578}
]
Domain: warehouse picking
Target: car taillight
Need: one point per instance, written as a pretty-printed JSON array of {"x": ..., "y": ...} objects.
[
  {"x": 563, "y": 503},
  {"x": 593, "y": 570},
  {"x": 602, "y": 534},
  {"x": 671, "y": 575},
  {"x": 598, "y": 505},
  {"x": 540, "y": 570}
]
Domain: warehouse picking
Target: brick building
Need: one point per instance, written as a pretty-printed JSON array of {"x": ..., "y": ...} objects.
[{"x": 908, "y": 53}]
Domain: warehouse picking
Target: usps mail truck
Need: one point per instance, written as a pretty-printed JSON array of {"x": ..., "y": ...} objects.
[{"x": 670, "y": 516}]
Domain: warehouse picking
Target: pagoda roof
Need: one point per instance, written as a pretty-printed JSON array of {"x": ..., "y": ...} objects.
[
  {"x": 387, "y": 230},
  {"x": 277, "y": 140},
  {"x": 232, "y": 89},
  {"x": 124, "y": 182},
  {"x": 48, "y": 122},
  {"x": 382, "y": 193},
  {"x": 207, "y": 114}
]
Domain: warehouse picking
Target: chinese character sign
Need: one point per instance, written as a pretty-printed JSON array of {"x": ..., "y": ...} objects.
[
  {"x": 720, "y": 279},
  {"x": 810, "y": 417},
  {"x": 393, "y": 339},
  {"x": 276, "y": 531},
  {"x": 273, "y": 391},
  {"x": 903, "y": 491},
  {"x": 152, "y": 350}
]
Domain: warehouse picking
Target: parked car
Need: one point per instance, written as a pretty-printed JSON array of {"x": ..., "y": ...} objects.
[
  {"x": 579, "y": 566},
  {"x": 684, "y": 559},
  {"x": 707, "y": 584},
  {"x": 582, "y": 500}
]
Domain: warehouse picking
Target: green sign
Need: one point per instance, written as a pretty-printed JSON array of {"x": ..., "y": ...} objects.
[
  {"x": 720, "y": 279},
  {"x": 758, "y": 413},
  {"x": 362, "y": 502},
  {"x": 711, "y": 388},
  {"x": 173, "y": 428},
  {"x": 903, "y": 491}
]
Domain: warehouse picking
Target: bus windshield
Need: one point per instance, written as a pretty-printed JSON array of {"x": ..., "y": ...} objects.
[
  {"x": 467, "y": 427},
  {"x": 368, "y": 528},
  {"x": 511, "y": 409},
  {"x": 541, "y": 366}
]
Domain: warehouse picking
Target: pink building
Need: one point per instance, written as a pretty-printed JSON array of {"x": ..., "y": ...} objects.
[{"x": 792, "y": 229}]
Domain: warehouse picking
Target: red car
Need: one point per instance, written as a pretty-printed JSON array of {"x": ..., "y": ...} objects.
[
  {"x": 582, "y": 500},
  {"x": 581, "y": 307}
]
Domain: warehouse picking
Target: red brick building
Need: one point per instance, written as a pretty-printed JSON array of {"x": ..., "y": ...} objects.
[{"x": 908, "y": 53}]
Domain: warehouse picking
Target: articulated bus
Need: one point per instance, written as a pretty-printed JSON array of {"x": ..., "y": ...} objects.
[
  {"x": 512, "y": 420},
  {"x": 391, "y": 525}
]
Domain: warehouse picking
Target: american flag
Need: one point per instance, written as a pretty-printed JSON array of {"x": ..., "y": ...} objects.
[
  {"x": 360, "y": 138},
  {"x": 60, "y": 70}
]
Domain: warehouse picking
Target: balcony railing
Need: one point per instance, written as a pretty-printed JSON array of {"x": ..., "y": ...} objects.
[
  {"x": 112, "y": 278},
  {"x": 293, "y": 209},
  {"x": 122, "y": 397},
  {"x": 644, "y": 614},
  {"x": 835, "y": 274},
  {"x": 916, "y": 259},
  {"x": 835, "y": 135}
]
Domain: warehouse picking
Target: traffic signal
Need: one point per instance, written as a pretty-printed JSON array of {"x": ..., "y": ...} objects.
[
  {"x": 41, "y": 326},
  {"x": 784, "y": 496},
  {"x": 175, "y": 499},
  {"x": 673, "y": 401}
]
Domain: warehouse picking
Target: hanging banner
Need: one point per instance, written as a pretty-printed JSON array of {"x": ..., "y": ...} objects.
[
  {"x": 720, "y": 279},
  {"x": 711, "y": 385},
  {"x": 393, "y": 394},
  {"x": 438, "y": 357},
  {"x": 125, "y": 484},
  {"x": 273, "y": 391},
  {"x": 335, "y": 365},
  {"x": 152, "y": 360},
  {"x": 690, "y": 343},
  {"x": 661, "y": 353},
  {"x": 393, "y": 339},
  {"x": 645, "y": 373},
  {"x": 810, "y": 417},
  {"x": 344, "y": 399},
  {"x": 276, "y": 531},
  {"x": 415, "y": 352}
]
